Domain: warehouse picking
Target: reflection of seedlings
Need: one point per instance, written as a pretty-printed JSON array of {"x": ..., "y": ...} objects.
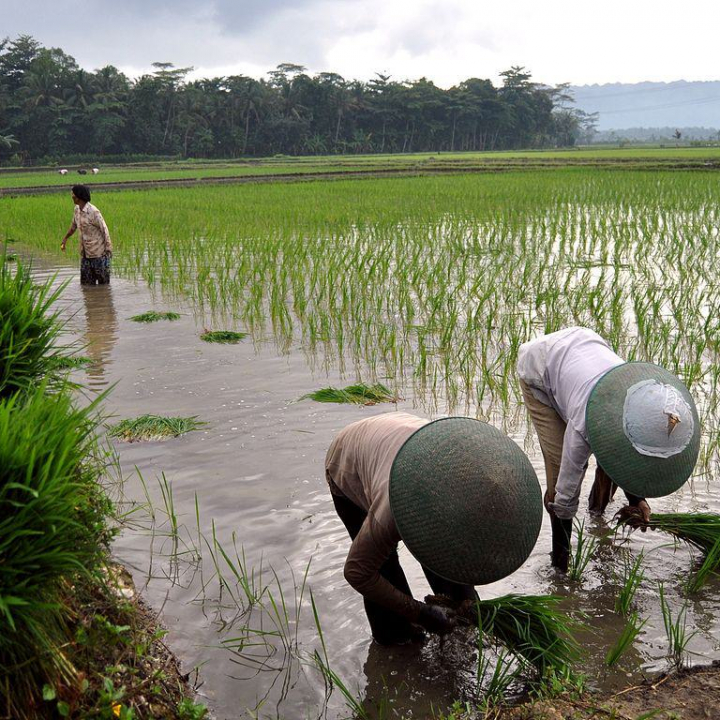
[
  {"x": 359, "y": 394},
  {"x": 701, "y": 530},
  {"x": 154, "y": 427},
  {"x": 222, "y": 336},
  {"x": 675, "y": 629},
  {"x": 632, "y": 577},
  {"x": 70, "y": 362},
  {"x": 530, "y": 626},
  {"x": 153, "y": 316},
  {"x": 585, "y": 547},
  {"x": 627, "y": 637}
]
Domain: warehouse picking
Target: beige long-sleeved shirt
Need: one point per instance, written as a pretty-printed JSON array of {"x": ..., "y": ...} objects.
[
  {"x": 357, "y": 467},
  {"x": 95, "y": 239}
]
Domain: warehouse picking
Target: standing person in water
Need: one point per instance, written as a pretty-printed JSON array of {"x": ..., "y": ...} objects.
[
  {"x": 638, "y": 419},
  {"x": 95, "y": 242},
  {"x": 461, "y": 495}
]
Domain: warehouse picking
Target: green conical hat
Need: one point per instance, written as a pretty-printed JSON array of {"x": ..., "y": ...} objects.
[
  {"x": 466, "y": 500},
  {"x": 643, "y": 428}
]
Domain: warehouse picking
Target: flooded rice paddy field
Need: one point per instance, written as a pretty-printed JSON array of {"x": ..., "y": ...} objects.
[{"x": 428, "y": 286}]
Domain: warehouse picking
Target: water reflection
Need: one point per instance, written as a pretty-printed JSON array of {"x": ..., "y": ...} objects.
[{"x": 100, "y": 331}]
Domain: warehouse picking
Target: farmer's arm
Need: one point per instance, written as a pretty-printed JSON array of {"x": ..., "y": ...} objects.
[
  {"x": 573, "y": 463},
  {"x": 641, "y": 504},
  {"x": 370, "y": 549},
  {"x": 71, "y": 231}
]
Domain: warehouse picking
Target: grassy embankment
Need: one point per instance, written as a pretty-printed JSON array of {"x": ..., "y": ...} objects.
[{"x": 637, "y": 158}]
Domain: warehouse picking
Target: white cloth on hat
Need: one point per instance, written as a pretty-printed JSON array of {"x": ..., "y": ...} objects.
[{"x": 656, "y": 419}]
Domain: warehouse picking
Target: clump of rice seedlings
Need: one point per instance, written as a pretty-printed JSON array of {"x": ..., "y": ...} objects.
[
  {"x": 223, "y": 336},
  {"x": 358, "y": 394},
  {"x": 530, "y": 626},
  {"x": 154, "y": 316},
  {"x": 153, "y": 427},
  {"x": 627, "y": 637},
  {"x": 53, "y": 531},
  {"x": 495, "y": 684},
  {"x": 11, "y": 257},
  {"x": 700, "y": 530},
  {"x": 632, "y": 577},
  {"x": 675, "y": 629},
  {"x": 70, "y": 362},
  {"x": 585, "y": 547},
  {"x": 29, "y": 331}
]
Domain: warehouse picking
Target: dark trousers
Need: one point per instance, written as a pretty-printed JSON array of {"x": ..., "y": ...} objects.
[
  {"x": 94, "y": 271},
  {"x": 387, "y": 627}
]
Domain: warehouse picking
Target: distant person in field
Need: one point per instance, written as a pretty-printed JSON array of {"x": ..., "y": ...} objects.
[
  {"x": 638, "y": 419},
  {"x": 95, "y": 242},
  {"x": 461, "y": 495}
]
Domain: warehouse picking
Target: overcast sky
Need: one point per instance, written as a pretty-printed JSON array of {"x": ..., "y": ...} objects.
[{"x": 444, "y": 40}]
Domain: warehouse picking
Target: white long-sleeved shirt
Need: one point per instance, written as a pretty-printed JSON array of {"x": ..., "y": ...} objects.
[{"x": 562, "y": 369}]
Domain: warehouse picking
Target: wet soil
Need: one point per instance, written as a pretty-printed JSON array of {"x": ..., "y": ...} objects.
[{"x": 691, "y": 694}]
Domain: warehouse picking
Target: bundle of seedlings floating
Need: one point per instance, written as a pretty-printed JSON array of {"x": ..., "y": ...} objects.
[
  {"x": 223, "y": 336},
  {"x": 153, "y": 427},
  {"x": 531, "y": 627},
  {"x": 358, "y": 394},
  {"x": 154, "y": 316},
  {"x": 700, "y": 530}
]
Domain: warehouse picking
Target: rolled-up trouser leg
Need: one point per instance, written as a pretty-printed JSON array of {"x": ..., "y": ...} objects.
[
  {"x": 387, "y": 627},
  {"x": 550, "y": 429}
]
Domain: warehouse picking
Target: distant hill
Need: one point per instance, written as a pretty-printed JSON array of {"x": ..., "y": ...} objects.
[{"x": 679, "y": 104}]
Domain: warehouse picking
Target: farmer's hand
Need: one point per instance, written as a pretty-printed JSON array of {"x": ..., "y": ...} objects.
[
  {"x": 63, "y": 244},
  {"x": 548, "y": 499},
  {"x": 436, "y": 619},
  {"x": 644, "y": 508}
]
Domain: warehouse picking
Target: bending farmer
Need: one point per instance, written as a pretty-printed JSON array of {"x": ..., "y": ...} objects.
[
  {"x": 638, "y": 420},
  {"x": 95, "y": 243},
  {"x": 461, "y": 495}
]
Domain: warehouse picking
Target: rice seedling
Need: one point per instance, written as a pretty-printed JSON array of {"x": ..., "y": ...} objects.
[
  {"x": 531, "y": 627},
  {"x": 71, "y": 362},
  {"x": 29, "y": 332},
  {"x": 357, "y": 394},
  {"x": 154, "y": 316},
  {"x": 699, "y": 530},
  {"x": 223, "y": 336},
  {"x": 632, "y": 629},
  {"x": 632, "y": 578},
  {"x": 153, "y": 427},
  {"x": 585, "y": 547},
  {"x": 675, "y": 629},
  {"x": 332, "y": 679},
  {"x": 55, "y": 532}
]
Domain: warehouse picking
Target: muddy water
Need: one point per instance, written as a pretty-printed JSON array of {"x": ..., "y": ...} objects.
[{"x": 257, "y": 473}]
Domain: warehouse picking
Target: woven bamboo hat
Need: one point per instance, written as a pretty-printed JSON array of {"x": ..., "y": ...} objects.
[
  {"x": 466, "y": 500},
  {"x": 643, "y": 427}
]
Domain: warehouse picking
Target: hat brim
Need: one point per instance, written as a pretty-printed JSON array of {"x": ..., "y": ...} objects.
[
  {"x": 637, "y": 474},
  {"x": 466, "y": 500}
]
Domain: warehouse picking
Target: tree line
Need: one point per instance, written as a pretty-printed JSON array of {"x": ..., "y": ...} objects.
[{"x": 50, "y": 108}]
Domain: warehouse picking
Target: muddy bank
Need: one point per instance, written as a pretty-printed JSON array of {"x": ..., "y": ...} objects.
[{"x": 689, "y": 694}]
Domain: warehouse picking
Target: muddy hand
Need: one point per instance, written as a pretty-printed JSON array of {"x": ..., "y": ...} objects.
[{"x": 436, "y": 619}]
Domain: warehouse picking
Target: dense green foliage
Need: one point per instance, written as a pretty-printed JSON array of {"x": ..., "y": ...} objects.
[
  {"x": 29, "y": 330},
  {"x": 52, "y": 108},
  {"x": 52, "y": 510}
]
